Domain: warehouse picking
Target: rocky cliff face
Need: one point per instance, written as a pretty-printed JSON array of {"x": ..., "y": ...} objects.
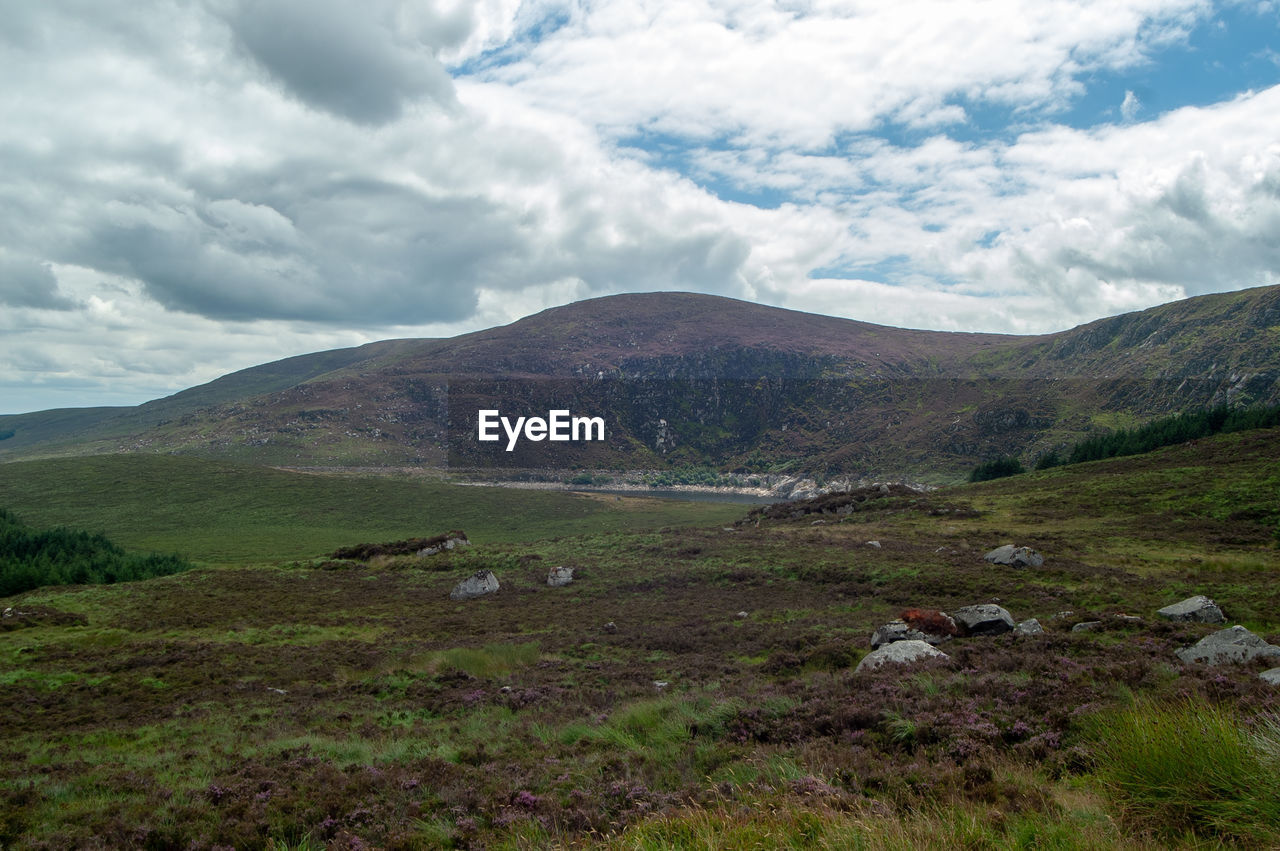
[{"x": 687, "y": 379}]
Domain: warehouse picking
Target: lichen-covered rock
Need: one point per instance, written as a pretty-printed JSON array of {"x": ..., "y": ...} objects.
[
  {"x": 1015, "y": 556},
  {"x": 901, "y": 631},
  {"x": 480, "y": 583},
  {"x": 899, "y": 652},
  {"x": 560, "y": 576},
  {"x": 1198, "y": 608},
  {"x": 1226, "y": 646},
  {"x": 1031, "y": 626},
  {"x": 983, "y": 619}
]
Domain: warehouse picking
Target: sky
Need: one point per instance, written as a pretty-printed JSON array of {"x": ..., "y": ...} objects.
[{"x": 192, "y": 187}]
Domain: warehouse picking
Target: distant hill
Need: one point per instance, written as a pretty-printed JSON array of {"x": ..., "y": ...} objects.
[{"x": 693, "y": 379}]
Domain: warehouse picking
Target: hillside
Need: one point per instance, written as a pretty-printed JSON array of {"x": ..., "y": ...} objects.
[{"x": 740, "y": 387}]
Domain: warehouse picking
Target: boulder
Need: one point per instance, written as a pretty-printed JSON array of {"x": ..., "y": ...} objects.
[
  {"x": 452, "y": 540},
  {"x": 983, "y": 619},
  {"x": 559, "y": 576},
  {"x": 1031, "y": 626},
  {"x": 1272, "y": 676},
  {"x": 1015, "y": 556},
  {"x": 902, "y": 631},
  {"x": 1198, "y": 608},
  {"x": 899, "y": 652},
  {"x": 1234, "y": 644},
  {"x": 477, "y": 585},
  {"x": 1086, "y": 626}
]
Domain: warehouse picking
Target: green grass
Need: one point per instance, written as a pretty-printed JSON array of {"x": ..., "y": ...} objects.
[
  {"x": 222, "y": 513},
  {"x": 1192, "y": 768}
]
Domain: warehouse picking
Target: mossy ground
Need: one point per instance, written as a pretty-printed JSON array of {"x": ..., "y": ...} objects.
[{"x": 291, "y": 700}]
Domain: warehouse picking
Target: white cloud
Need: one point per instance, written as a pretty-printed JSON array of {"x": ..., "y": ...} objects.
[
  {"x": 184, "y": 191},
  {"x": 1130, "y": 105}
]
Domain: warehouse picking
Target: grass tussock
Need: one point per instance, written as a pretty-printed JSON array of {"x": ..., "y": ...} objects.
[
  {"x": 1192, "y": 768},
  {"x": 491, "y": 660}
]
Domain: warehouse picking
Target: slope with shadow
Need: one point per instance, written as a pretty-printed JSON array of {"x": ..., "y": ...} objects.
[{"x": 683, "y": 378}]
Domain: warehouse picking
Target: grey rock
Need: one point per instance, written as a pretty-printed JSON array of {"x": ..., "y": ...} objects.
[
  {"x": 875, "y": 544},
  {"x": 1031, "y": 626},
  {"x": 983, "y": 619},
  {"x": 1015, "y": 556},
  {"x": 899, "y": 652},
  {"x": 449, "y": 543},
  {"x": 1198, "y": 608},
  {"x": 1234, "y": 644},
  {"x": 1272, "y": 676},
  {"x": 480, "y": 583},
  {"x": 1062, "y": 616},
  {"x": 559, "y": 576},
  {"x": 1086, "y": 626},
  {"x": 902, "y": 631},
  {"x": 610, "y": 627},
  {"x": 743, "y": 614}
]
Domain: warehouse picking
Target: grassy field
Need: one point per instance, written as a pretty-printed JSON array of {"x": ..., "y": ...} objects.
[
  {"x": 221, "y": 513},
  {"x": 271, "y": 698}
]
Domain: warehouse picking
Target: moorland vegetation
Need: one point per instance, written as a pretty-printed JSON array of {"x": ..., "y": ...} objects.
[{"x": 694, "y": 686}]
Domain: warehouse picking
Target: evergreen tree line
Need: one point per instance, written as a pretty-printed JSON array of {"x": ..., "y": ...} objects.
[
  {"x": 31, "y": 558},
  {"x": 1166, "y": 431}
]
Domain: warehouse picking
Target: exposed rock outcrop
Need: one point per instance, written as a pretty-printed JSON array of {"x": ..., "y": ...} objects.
[
  {"x": 478, "y": 584},
  {"x": 1227, "y": 646},
  {"x": 900, "y": 653},
  {"x": 983, "y": 619},
  {"x": 1198, "y": 608},
  {"x": 1015, "y": 556}
]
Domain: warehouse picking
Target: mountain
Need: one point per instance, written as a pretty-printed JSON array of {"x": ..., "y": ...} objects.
[{"x": 682, "y": 378}]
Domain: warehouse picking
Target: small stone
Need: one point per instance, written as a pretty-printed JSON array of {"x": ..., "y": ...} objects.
[
  {"x": 660, "y": 684},
  {"x": 558, "y": 577},
  {"x": 1086, "y": 626},
  {"x": 277, "y": 690},
  {"x": 1031, "y": 626},
  {"x": 505, "y": 689},
  {"x": 1062, "y": 616},
  {"x": 611, "y": 627},
  {"x": 898, "y": 631},
  {"x": 875, "y": 544},
  {"x": 742, "y": 615},
  {"x": 1198, "y": 608},
  {"x": 899, "y": 653}
]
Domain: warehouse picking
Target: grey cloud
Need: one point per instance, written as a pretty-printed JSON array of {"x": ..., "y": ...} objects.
[
  {"x": 1182, "y": 238},
  {"x": 25, "y": 282},
  {"x": 346, "y": 59},
  {"x": 353, "y": 250}
]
